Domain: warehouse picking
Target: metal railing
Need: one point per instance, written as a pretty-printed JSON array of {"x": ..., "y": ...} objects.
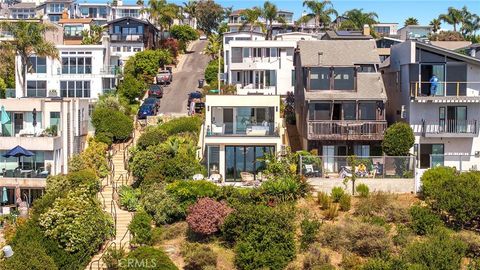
[
  {"x": 10, "y": 93},
  {"x": 444, "y": 89},
  {"x": 228, "y": 129},
  {"x": 346, "y": 130},
  {"x": 122, "y": 37},
  {"x": 399, "y": 167},
  {"x": 449, "y": 126}
]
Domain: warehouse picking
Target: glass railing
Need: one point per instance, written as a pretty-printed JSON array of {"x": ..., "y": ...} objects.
[
  {"x": 24, "y": 173},
  {"x": 231, "y": 129}
]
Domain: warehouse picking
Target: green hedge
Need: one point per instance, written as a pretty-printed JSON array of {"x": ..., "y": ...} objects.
[
  {"x": 111, "y": 124},
  {"x": 147, "y": 258},
  {"x": 182, "y": 125}
]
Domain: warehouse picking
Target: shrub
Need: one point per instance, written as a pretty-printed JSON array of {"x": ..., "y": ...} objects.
[
  {"x": 157, "y": 235},
  {"x": 113, "y": 124},
  {"x": 144, "y": 65},
  {"x": 183, "y": 165},
  {"x": 398, "y": 139},
  {"x": 317, "y": 259},
  {"x": 377, "y": 264},
  {"x": 141, "y": 228},
  {"x": 309, "y": 228},
  {"x": 454, "y": 195},
  {"x": 374, "y": 204},
  {"x": 182, "y": 125},
  {"x": 438, "y": 251},
  {"x": 472, "y": 240},
  {"x": 143, "y": 161},
  {"x": 345, "y": 202},
  {"x": 403, "y": 235},
  {"x": 27, "y": 257},
  {"x": 281, "y": 189},
  {"x": 143, "y": 258},
  {"x": 333, "y": 236},
  {"x": 131, "y": 88},
  {"x": 187, "y": 192},
  {"x": 350, "y": 261},
  {"x": 198, "y": 256},
  {"x": 129, "y": 197},
  {"x": 337, "y": 193},
  {"x": 324, "y": 200},
  {"x": 154, "y": 175},
  {"x": 85, "y": 178},
  {"x": 163, "y": 207},
  {"x": 423, "y": 220},
  {"x": 113, "y": 257},
  {"x": 211, "y": 71},
  {"x": 206, "y": 216},
  {"x": 332, "y": 211},
  {"x": 171, "y": 45},
  {"x": 362, "y": 190},
  {"x": 183, "y": 33},
  {"x": 151, "y": 136}
]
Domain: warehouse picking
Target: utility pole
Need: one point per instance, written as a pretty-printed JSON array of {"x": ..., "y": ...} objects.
[{"x": 219, "y": 86}]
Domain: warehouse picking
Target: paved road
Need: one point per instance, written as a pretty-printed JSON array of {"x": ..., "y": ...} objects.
[{"x": 185, "y": 80}]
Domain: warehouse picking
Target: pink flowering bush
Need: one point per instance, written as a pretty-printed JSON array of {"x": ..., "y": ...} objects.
[{"x": 207, "y": 215}]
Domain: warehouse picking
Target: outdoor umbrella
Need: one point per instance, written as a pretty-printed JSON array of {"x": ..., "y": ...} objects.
[
  {"x": 4, "y": 195},
  {"x": 4, "y": 118},
  {"x": 18, "y": 152}
]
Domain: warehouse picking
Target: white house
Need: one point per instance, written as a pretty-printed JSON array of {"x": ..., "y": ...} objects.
[
  {"x": 238, "y": 132},
  {"x": 53, "y": 129},
  {"x": 445, "y": 122},
  {"x": 82, "y": 71}
]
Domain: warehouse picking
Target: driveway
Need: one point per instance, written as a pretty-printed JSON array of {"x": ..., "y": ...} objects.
[{"x": 185, "y": 80}]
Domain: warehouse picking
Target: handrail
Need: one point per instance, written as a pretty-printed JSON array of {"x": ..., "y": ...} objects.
[
  {"x": 97, "y": 261},
  {"x": 444, "y": 89},
  {"x": 113, "y": 211}
]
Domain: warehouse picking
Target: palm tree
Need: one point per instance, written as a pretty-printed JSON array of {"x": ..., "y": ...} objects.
[
  {"x": 270, "y": 13},
  {"x": 189, "y": 8},
  {"x": 162, "y": 13},
  {"x": 140, "y": 3},
  {"x": 411, "y": 21},
  {"x": 357, "y": 19},
  {"x": 92, "y": 36},
  {"x": 453, "y": 17},
  {"x": 214, "y": 46},
  {"x": 300, "y": 23},
  {"x": 470, "y": 22},
  {"x": 321, "y": 12},
  {"x": 29, "y": 40},
  {"x": 251, "y": 17},
  {"x": 435, "y": 23}
]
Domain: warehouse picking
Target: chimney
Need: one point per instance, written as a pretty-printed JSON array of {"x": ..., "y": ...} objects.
[{"x": 366, "y": 30}]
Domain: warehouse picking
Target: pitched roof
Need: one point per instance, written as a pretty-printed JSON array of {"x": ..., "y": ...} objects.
[
  {"x": 449, "y": 53},
  {"x": 337, "y": 52},
  {"x": 77, "y": 20},
  {"x": 451, "y": 45},
  {"x": 343, "y": 34}
]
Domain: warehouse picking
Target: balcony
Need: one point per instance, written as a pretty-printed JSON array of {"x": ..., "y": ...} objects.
[
  {"x": 256, "y": 88},
  {"x": 32, "y": 143},
  {"x": 346, "y": 130},
  {"x": 228, "y": 129},
  {"x": 111, "y": 70},
  {"x": 449, "y": 128},
  {"x": 126, "y": 38},
  {"x": 445, "y": 91}
]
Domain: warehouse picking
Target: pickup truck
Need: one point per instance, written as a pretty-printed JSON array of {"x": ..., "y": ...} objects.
[{"x": 164, "y": 77}]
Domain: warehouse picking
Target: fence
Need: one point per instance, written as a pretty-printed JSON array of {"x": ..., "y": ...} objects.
[
  {"x": 461, "y": 163},
  {"x": 365, "y": 167}
]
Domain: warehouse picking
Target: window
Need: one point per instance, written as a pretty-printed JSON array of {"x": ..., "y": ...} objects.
[
  {"x": 76, "y": 65},
  {"x": 36, "y": 88},
  {"x": 80, "y": 89},
  {"x": 56, "y": 7},
  {"x": 319, "y": 111},
  {"x": 54, "y": 18},
  {"x": 367, "y": 111},
  {"x": 431, "y": 155},
  {"x": 72, "y": 30},
  {"x": 108, "y": 83},
  {"x": 330, "y": 78},
  {"x": 294, "y": 77},
  {"x": 273, "y": 52},
  {"x": 270, "y": 78},
  {"x": 343, "y": 78},
  {"x": 289, "y": 51},
  {"x": 246, "y": 52},
  {"x": 370, "y": 68},
  {"x": 55, "y": 119},
  {"x": 320, "y": 78},
  {"x": 37, "y": 64},
  {"x": 245, "y": 159},
  {"x": 361, "y": 150}
]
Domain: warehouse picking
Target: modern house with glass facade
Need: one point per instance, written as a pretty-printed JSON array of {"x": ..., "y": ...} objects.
[
  {"x": 339, "y": 98},
  {"x": 443, "y": 115},
  {"x": 52, "y": 129},
  {"x": 238, "y": 132}
]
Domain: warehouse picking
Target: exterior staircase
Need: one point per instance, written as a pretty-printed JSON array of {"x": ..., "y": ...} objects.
[{"x": 108, "y": 196}]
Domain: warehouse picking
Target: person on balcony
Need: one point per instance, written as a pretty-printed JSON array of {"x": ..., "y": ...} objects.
[{"x": 433, "y": 85}]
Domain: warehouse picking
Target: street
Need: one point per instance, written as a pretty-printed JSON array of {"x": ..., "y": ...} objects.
[{"x": 185, "y": 80}]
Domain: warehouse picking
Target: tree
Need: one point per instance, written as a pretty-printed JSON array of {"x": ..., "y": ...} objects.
[
  {"x": 162, "y": 13},
  {"x": 29, "y": 257},
  {"x": 209, "y": 15},
  {"x": 470, "y": 22},
  {"x": 320, "y": 11},
  {"x": 357, "y": 19},
  {"x": 131, "y": 88},
  {"x": 447, "y": 36},
  {"x": 190, "y": 8},
  {"x": 92, "y": 36},
  {"x": 7, "y": 68},
  {"x": 452, "y": 17},
  {"x": 251, "y": 18},
  {"x": 3, "y": 88},
  {"x": 214, "y": 46},
  {"x": 435, "y": 23},
  {"x": 411, "y": 21},
  {"x": 206, "y": 216},
  {"x": 112, "y": 125},
  {"x": 270, "y": 13},
  {"x": 398, "y": 139},
  {"x": 29, "y": 41},
  {"x": 144, "y": 65},
  {"x": 183, "y": 33}
]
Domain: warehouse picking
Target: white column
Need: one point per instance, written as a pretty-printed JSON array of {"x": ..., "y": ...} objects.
[{"x": 221, "y": 163}]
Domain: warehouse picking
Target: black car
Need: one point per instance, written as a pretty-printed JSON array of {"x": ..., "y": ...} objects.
[
  {"x": 146, "y": 110},
  {"x": 155, "y": 91},
  {"x": 152, "y": 101},
  {"x": 194, "y": 96}
]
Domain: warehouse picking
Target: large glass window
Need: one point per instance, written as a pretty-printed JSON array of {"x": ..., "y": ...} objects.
[
  {"x": 36, "y": 88},
  {"x": 55, "y": 119},
  {"x": 245, "y": 159},
  {"x": 319, "y": 111},
  {"x": 56, "y": 7},
  {"x": 367, "y": 111},
  {"x": 72, "y": 30},
  {"x": 75, "y": 89},
  {"x": 7, "y": 128},
  {"x": 76, "y": 65},
  {"x": 37, "y": 64},
  {"x": 320, "y": 78},
  {"x": 344, "y": 78}
]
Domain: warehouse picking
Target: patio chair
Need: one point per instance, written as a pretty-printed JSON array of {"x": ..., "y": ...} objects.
[
  {"x": 198, "y": 177},
  {"x": 310, "y": 171},
  {"x": 248, "y": 179},
  {"x": 215, "y": 178}
]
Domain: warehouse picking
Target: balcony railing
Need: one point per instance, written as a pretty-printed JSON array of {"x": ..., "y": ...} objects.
[
  {"x": 455, "y": 128},
  {"x": 24, "y": 173},
  {"x": 346, "y": 130},
  {"x": 111, "y": 70},
  {"x": 426, "y": 90},
  {"x": 228, "y": 129},
  {"x": 125, "y": 38}
]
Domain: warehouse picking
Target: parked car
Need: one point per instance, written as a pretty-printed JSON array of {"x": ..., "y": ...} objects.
[
  {"x": 155, "y": 91},
  {"x": 164, "y": 77},
  {"x": 152, "y": 101},
  {"x": 197, "y": 95},
  {"x": 203, "y": 37},
  {"x": 146, "y": 110}
]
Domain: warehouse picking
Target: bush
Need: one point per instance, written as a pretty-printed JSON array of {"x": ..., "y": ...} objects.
[
  {"x": 316, "y": 259},
  {"x": 281, "y": 189},
  {"x": 113, "y": 258},
  {"x": 143, "y": 161},
  {"x": 350, "y": 261},
  {"x": 187, "y": 192},
  {"x": 438, "y": 251},
  {"x": 264, "y": 236},
  {"x": 163, "y": 207},
  {"x": 145, "y": 258},
  {"x": 131, "y": 88},
  {"x": 129, "y": 198},
  {"x": 375, "y": 204},
  {"x": 144, "y": 65},
  {"x": 377, "y": 264},
  {"x": 403, "y": 236},
  {"x": 332, "y": 211},
  {"x": 141, "y": 228},
  {"x": 27, "y": 257},
  {"x": 324, "y": 200},
  {"x": 113, "y": 124},
  {"x": 345, "y": 202},
  {"x": 423, "y": 220},
  {"x": 182, "y": 125},
  {"x": 154, "y": 175},
  {"x": 151, "y": 136},
  {"x": 171, "y": 45},
  {"x": 211, "y": 72},
  {"x": 183, "y": 33},
  {"x": 198, "y": 257},
  {"x": 309, "y": 228},
  {"x": 454, "y": 195},
  {"x": 337, "y": 193},
  {"x": 362, "y": 190},
  {"x": 206, "y": 216},
  {"x": 472, "y": 240},
  {"x": 398, "y": 139}
]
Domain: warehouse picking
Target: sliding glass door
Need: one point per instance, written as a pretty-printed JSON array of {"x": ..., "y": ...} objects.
[{"x": 249, "y": 159}]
